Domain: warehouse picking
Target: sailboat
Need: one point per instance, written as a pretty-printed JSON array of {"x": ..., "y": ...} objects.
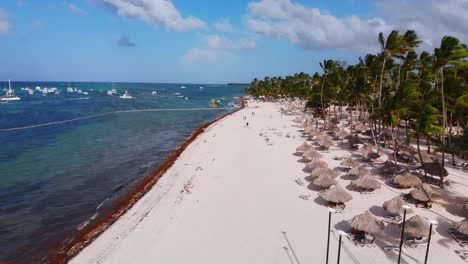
[
  {"x": 126, "y": 96},
  {"x": 10, "y": 94}
]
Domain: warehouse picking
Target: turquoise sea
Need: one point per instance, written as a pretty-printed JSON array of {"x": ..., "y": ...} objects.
[{"x": 56, "y": 177}]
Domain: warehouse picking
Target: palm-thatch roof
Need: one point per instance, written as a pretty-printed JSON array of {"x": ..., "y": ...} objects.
[
  {"x": 394, "y": 206},
  {"x": 324, "y": 181},
  {"x": 337, "y": 194},
  {"x": 359, "y": 171},
  {"x": 316, "y": 163},
  {"x": 462, "y": 227},
  {"x": 423, "y": 193},
  {"x": 417, "y": 226},
  {"x": 361, "y": 127},
  {"x": 326, "y": 142},
  {"x": 297, "y": 120},
  {"x": 366, "y": 182},
  {"x": 304, "y": 147},
  {"x": 341, "y": 133},
  {"x": 311, "y": 154},
  {"x": 407, "y": 180},
  {"x": 434, "y": 168},
  {"x": 355, "y": 140},
  {"x": 313, "y": 132},
  {"x": 349, "y": 162},
  {"x": 324, "y": 171},
  {"x": 367, "y": 223},
  {"x": 426, "y": 158},
  {"x": 389, "y": 167}
]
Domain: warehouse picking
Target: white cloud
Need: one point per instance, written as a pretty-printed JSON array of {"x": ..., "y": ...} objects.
[
  {"x": 197, "y": 55},
  {"x": 75, "y": 9},
  {"x": 157, "y": 13},
  {"x": 219, "y": 43},
  {"x": 224, "y": 25},
  {"x": 247, "y": 44},
  {"x": 431, "y": 19},
  {"x": 4, "y": 21},
  {"x": 311, "y": 28}
]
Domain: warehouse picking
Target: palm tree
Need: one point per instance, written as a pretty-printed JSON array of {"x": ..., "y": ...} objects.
[
  {"x": 447, "y": 54},
  {"x": 327, "y": 67}
]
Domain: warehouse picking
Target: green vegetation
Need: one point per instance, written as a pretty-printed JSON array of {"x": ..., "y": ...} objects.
[{"x": 426, "y": 94}]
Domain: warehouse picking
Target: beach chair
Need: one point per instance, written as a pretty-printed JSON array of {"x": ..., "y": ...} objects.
[
  {"x": 365, "y": 243},
  {"x": 391, "y": 219},
  {"x": 415, "y": 242},
  {"x": 367, "y": 192},
  {"x": 391, "y": 248}
]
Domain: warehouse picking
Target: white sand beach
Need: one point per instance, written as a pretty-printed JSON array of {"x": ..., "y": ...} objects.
[{"x": 233, "y": 197}]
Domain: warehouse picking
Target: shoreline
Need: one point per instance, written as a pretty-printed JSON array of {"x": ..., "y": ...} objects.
[{"x": 89, "y": 233}]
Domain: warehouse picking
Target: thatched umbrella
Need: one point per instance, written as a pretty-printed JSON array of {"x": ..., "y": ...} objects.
[
  {"x": 316, "y": 163},
  {"x": 349, "y": 162},
  {"x": 422, "y": 193},
  {"x": 359, "y": 171},
  {"x": 324, "y": 181},
  {"x": 462, "y": 227},
  {"x": 407, "y": 180},
  {"x": 366, "y": 223},
  {"x": 389, "y": 167},
  {"x": 297, "y": 120},
  {"x": 326, "y": 143},
  {"x": 364, "y": 150},
  {"x": 366, "y": 182},
  {"x": 304, "y": 147},
  {"x": 323, "y": 171},
  {"x": 354, "y": 140},
  {"x": 426, "y": 158},
  {"x": 311, "y": 154},
  {"x": 434, "y": 168},
  {"x": 342, "y": 133},
  {"x": 394, "y": 206},
  {"x": 337, "y": 195},
  {"x": 361, "y": 127},
  {"x": 312, "y": 131},
  {"x": 416, "y": 226},
  {"x": 323, "y": 137}
]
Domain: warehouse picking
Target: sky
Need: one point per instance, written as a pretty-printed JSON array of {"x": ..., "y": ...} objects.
[{"x": 205, "y": 41}]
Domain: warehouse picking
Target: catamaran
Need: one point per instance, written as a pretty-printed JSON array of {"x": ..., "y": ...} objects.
[
  {"x": 10, "y": 94},
  {"x": 126, "y": 96}
]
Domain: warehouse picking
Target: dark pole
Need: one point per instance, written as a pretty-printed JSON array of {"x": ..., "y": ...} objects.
[
  {"x": 402, "y": 234},
  {"x": 339, "y": 250},
  {"x": 328, "y": 239},
  {"x": 428, "y": 243}
]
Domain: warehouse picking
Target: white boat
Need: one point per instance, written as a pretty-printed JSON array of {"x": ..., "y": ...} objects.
[
  {"x": 154, "y": 93},
  {"x": 126, "y": 96},
  {"x": 10, "y": 94},
  {"x": 177, "y": 94},
  {"x": 186, "y": 98},
  {"x": 183, "y": 87}
]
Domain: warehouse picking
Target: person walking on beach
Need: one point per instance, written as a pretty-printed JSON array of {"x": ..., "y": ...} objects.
[{"x": 247, "y": 124}]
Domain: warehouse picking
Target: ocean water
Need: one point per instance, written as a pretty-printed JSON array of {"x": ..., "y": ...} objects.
[{"x": 56, "y": 177}]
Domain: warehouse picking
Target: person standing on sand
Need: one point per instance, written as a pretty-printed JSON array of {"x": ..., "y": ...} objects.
[{"x": 247, "y": 124}]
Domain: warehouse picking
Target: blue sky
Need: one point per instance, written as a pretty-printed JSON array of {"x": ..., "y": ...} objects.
[{"x": 208, "y": 41}]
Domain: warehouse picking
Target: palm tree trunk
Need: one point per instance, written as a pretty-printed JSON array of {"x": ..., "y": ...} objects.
[
  {"x": 444, "y": 125},
  {"x": 381, "y": 81},
  {"x": 420, "y": 156},
  {"x": 321, "y": 94},
  {"x": 449, "y": 145}
]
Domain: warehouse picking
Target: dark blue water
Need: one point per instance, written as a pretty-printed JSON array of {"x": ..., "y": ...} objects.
[{"x": 55, "y": 178}]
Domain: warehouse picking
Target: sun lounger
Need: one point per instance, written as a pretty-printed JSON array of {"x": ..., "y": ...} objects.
[
  {"x": 367, "y": 192},
  {"x": 299, "y": 182},
  {"x": 415, "y": 243},
  {"x": 391, "y": 248},
  {"x": 393, "y": 219},
  {"x": 365, "y": 243}
]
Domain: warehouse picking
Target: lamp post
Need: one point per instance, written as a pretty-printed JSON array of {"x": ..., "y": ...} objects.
[
  {"x": 341, "y": 233},
  {"x": 432, "y": 222},
  {"x": 330, "y": 211},
  {"x": 405, "y": 207}
]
